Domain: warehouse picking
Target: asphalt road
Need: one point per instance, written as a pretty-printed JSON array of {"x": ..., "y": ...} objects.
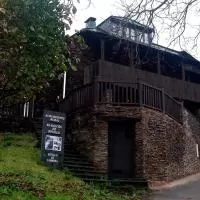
[{"x": 190, "y": 191}]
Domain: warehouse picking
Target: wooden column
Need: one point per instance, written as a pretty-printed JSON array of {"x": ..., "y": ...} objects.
[
  {"x": 102, "y": 49},
  {"x": 96, "y": 91},
  {"x": 183, "y": 71},
  {"x": 131, "y": 55},
  {"x": 102, "y": 57},
  {"x": 140, "y": 91},
  {"x": 163, "y": 100},
  {"x": 181, "y": 111},
  {"x": 158, "y": 63}
]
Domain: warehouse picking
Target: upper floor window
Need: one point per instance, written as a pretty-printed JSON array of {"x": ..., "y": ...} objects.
[
  {"x": 114, "y": 28},
  {"x": 126, "y": 31},
  {"x": 139, "y": 36},
  {"x": 120, "y": 31},
  {"x": 146, "y": 38},
  {"x": 132, "y": 35}
]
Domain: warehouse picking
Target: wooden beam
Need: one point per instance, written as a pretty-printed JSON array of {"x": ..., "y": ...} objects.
[
  {"x": 130, "y": 54},
  {"x": 163, "y": 100},
  {"x": 102, "y": 49},
  {"x": 183, "y": 71},
  {"x": 158, "y": 63}
]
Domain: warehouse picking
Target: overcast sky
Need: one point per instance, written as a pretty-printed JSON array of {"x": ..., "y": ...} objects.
[{"x": 102, "y": 9}]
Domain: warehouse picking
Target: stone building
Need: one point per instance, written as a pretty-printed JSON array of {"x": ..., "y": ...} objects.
[{"x": 136, "y": 113}]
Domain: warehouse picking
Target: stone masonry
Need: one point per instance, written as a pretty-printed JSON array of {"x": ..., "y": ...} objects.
[{"x": 165, "y": 149}]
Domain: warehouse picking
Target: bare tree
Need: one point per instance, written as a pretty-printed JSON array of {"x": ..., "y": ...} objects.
[{"x": 178, "y": 20}]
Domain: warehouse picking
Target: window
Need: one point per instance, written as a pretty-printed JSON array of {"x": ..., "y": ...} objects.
[
  {"x": 146, "y": 38},
  {"x": 120, "y": 31},
  {"x": 132, "y": 34},
  {"x": 127, "y": 32},
  {"x": 114, "y": 28},
  {"x": 139, "y": 37}
]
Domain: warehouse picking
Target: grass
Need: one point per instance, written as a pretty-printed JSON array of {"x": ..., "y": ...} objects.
[{"x": 23, "y": 177}]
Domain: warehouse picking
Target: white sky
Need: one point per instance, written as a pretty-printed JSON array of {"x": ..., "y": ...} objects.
[{"x": 102, "y": 9}]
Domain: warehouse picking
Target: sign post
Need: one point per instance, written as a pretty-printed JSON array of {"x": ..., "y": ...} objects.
[{"x": 53, "y": 132}]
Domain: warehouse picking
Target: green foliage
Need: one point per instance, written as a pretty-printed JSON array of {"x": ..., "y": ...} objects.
[
  {"x": 22, "y": 177},
  {"x": 34, "y": 48}
]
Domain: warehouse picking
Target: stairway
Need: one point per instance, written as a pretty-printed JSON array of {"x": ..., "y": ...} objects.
[
  {"x": 15, "y": 124},
  {"x": 80, "y": 166},
  {"x": 37, "y": 123}
]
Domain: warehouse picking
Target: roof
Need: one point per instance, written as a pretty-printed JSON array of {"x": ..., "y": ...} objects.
[
  {"x": 127, "y": 21},
  {"x": 100, "y": 31},
  {"x": 153, "y": 45},
  {"x": 90, "y": 19},
  {"x": 130, "y": 21}
]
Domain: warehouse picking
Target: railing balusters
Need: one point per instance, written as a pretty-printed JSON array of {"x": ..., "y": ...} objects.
[
  {"x": 118, "y": 94},
  {"x": 131, "y": 99},
  {"x": 114, "y": 94},
  {"x": 121, "y": 94},
  {"x": 101, "y": 92}
]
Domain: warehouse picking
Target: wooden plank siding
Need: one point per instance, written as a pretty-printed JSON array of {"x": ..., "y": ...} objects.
[
  {"x": 122, "y": 94},
  {"x": 176, "y": 88}
]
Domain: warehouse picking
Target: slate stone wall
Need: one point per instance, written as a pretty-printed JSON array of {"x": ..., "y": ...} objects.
[
  {"x": 165, "y": 150},
  {"x": 169, "y": 147},
  {"x": 90, "y": 138}
]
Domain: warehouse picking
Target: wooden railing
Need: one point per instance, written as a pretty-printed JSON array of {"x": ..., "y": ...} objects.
[
  {"x": 151, "y": 96},
  {"x": 79, "y": 98},
  {"x": 116, "y": 93},
  {"x": 12, "y": 110},
  {"x": 120, "y": 93},
  {"x": 16, "y": 110},
  {"x": 173, "y": 108}
]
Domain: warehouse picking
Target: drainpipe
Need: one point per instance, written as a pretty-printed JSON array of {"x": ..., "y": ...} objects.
[
  {"x": 64, "y": 84},
  {"x": 25, "y": 109}
]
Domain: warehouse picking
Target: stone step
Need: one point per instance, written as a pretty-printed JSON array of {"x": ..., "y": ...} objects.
[
  {"x": 77, "y": 167},
  {"x": 77, "y": 162},
  {"x": 83, "y": 170},
  {"x": 89, "y": 175},
  {"x": 94, "y": 180},
  {"x": 119, "y": 182},
  {"x": 74, "y": 157}
]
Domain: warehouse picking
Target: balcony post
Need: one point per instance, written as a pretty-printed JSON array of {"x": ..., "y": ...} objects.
[
  {"x": 102, "y": 49},
  {"x": 183, "y": 71},
  {"x": 96, "y": 92},
  {"x": 163, "y": 100},
  {"x": 181, "y": 111},
  {"x": 140, "y": 92},
  {"x": 158, "y": 63},
  {"x": 130, "y": 47}
]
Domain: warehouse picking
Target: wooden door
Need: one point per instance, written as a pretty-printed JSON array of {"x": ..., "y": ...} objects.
[{"x": 121, "y": 155}]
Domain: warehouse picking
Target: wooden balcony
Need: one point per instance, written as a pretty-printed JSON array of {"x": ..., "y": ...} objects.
[
  {"x": 177, "y": 88},
  {"x": 122, "y": 94},
  {"x": 13, "y": 110}
]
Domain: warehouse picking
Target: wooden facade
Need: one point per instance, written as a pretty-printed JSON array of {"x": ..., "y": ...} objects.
[
  {"x": 127, "y": 71},
  {"x": 181, "y": 89},
  {"x": 131, "y": 115},
  {"x": 122, "y": 94}
]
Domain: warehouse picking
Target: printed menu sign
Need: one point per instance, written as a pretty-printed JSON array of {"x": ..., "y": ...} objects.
[{"x": 53, "y": 132}]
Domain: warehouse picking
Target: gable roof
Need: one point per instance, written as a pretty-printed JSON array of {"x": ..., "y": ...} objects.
[
  {"x": 161, "y": 48},
  {"x": 128, "y": 21}
]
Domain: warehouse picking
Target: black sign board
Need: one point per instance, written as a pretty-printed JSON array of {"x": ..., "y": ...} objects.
[{"x": 53, "y": 132}]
